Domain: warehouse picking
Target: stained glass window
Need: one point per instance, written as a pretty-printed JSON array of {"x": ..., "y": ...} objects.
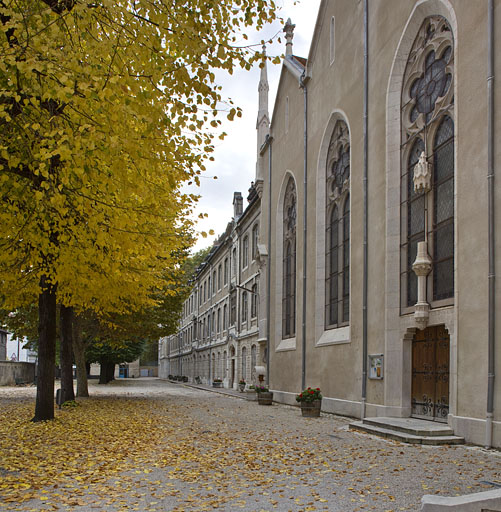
[
  {"x": 289, "y": 262},
  {"x": 428, "y": 128},
  {"x": 337, "y": 240}
]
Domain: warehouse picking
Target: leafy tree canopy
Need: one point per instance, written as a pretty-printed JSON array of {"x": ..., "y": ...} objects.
[{"x": 106, "y": 108}]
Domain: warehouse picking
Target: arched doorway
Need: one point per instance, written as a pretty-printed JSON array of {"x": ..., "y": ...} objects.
[
  {"x": 232, "y": 371},
  {"x": 430, "y": 373}
]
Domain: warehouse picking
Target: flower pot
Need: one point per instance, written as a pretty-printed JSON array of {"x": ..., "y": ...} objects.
[
  {"x": 311, "y": 409},
  {"x": 241, "y": 387},
  {"x": 265, "y": 398},
  {"x": 216, "y": 384}
]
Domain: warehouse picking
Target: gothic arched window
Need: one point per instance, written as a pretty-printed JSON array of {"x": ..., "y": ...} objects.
[
  {"x": 427, "y": 118},
  {"x": 289, "y": 262},
  {"x": 337, "y": 240}
]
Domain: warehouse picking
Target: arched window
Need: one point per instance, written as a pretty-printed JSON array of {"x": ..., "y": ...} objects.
[
  {"x": 254, "y": 301},
  {"x": 289, "y": 262},
  {"x": 225, "y": 271},
  {"x": 255, "y": 238},
  {"x": 219, "y": 276},
  {"x": 244, "y": 363},
  {"x": 234, "y": 262},
  {"x": 245, "y": 306},
  {"x": 427, "y": 118},
  {"x": 337, "y": 239},
  {"x": 253, "y": 360}
]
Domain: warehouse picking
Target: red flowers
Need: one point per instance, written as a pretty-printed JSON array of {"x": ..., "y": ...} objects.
[{"x": 309, "y": 395}]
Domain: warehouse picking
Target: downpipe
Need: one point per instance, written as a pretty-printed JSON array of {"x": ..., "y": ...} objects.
[
  {"x": 302, "y": 84},
  {"x": 491, "y": 224},
  {"x": 366, "y": 220}
]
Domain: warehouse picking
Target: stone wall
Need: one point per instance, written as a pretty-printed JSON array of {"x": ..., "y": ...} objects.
[{"x": 10, "y": 371}]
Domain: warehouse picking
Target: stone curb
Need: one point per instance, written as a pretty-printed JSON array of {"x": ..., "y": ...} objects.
[{"x": 488, "y": 501}]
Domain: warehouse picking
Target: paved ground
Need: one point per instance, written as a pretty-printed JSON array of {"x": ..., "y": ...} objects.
[{"x": 217, "y": 452}]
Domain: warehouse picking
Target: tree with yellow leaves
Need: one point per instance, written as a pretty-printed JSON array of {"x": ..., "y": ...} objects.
[{"x": 105, "y": 110}]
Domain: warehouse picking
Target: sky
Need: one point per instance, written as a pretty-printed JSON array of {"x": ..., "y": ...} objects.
[{"x": 235, "y": 157}]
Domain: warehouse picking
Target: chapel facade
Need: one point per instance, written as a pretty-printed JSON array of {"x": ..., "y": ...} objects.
[{"x": 377, "y": 239}]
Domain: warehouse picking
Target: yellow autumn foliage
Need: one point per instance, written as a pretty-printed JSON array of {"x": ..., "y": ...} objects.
[{"x": 105, "y": 111}]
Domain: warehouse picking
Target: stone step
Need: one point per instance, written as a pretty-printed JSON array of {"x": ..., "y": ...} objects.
[
  {"x": 412, "y": 426},
  {"x": 405, "y": 437}
]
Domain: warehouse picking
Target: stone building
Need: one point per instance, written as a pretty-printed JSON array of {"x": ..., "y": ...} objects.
[
  {"x": 377, "y": 223},
  {"x": 219, "y": 329}
]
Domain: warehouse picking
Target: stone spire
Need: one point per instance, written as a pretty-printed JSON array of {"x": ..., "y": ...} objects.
[
  {"x": 289, "y": 35},
  {"x": 263, "y": 119},
  {"x": 263, "y": 89}
]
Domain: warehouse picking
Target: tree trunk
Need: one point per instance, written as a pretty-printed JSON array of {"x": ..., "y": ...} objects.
[
  {"x": 107, "y": 372},
  {"x": 44, "y": 407},
  {"x": 66, "y": 353},
  {"x": 79, "y": 352},
  {"x": 110, "y": 372}
]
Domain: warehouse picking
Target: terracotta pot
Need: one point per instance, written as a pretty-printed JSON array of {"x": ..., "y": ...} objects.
[
  {"x": 311, "y": 409},
  {"x": 265, "y": 398}
]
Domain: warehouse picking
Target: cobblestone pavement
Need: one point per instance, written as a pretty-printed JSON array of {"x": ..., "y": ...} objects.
[{"x": 223, "y": 453}]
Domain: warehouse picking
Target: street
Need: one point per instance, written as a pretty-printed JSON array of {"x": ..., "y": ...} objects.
[{"x": 150, "y": 445}]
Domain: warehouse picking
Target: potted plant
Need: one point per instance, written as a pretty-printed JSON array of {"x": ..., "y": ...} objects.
[
  {"x": 217, "y": 383},
  {"x": 311, "y": 402},
  {"x": 241, "y": 385},
  {"x": 264, "y": 395}
]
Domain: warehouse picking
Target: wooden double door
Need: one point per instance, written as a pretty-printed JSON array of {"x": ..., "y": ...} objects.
[{"x": 430, "y": 373}]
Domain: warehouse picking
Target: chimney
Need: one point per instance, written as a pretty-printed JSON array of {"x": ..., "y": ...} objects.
[
  {"x": 238, "y": 203},
  {"x": 289, "y": 34}
]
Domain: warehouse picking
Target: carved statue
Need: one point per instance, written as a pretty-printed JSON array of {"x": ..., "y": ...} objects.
[{"x": 422, "y": 175}]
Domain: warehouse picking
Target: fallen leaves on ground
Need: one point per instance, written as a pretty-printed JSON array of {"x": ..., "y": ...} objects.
[
  {"x": 181, "y": 454},
  {"x": 84, "y": 445}
]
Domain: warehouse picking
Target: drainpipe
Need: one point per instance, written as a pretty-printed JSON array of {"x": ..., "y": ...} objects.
[
  {"x": 365, "y": 135},
  {"x": 211, "y": 328},
  {"x": 490, "y": 188},
  {"x": 268, "y": 144},
  {"x": 302, "y": 84}
]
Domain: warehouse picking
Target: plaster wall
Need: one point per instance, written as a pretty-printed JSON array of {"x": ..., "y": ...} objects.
[{"x": 336, "y": 89}]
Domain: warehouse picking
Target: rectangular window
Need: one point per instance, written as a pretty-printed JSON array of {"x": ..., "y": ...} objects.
[
  {"x": 245, "y": 252},
  {"x": 245, "y": 306},
  {"x": 233, "y": 309}
]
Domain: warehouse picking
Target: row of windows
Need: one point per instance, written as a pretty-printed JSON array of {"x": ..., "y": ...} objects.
[
  {"x": 200, "y": 366},
  {"x": 217, "y": 321},
  {"x": 220, "y": 276}
]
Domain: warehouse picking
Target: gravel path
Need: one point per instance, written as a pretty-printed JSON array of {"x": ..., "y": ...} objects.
[{"x": 222, "y": 453}]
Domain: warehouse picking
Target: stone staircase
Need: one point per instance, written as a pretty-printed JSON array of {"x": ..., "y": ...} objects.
[{"x": 408, "y": 430}]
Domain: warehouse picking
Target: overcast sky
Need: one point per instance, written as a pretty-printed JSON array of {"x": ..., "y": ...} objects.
[{"x": 235, "y": 157}]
